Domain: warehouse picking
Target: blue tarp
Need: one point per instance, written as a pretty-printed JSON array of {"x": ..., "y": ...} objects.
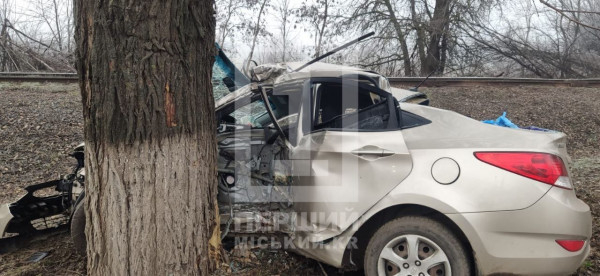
[{"x": 502, "y": 121}]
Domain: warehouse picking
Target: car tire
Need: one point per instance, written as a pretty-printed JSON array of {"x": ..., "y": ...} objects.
[
  {"x": 437, "y": 251},
  {"x": 78, "y": 229}
]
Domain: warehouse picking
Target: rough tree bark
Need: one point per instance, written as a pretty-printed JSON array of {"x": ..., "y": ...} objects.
[
  {"x": 439, "y": 25},
  {"x": 145, "y": 78},
  {"x": 408, "y": 70},
  {"x": 421, "y": 36}
]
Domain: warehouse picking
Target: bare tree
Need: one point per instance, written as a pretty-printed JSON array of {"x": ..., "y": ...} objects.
[
  {"x": 319, "y": 17},
  {"x": 230, "y": 15},
  {"x": 572, "y": 14},
  {"x": 545, "y": 38},
  {"x": 150, "y": 140},
  {"x": 558, "y": 48},
  {"x": 270, "y": 52},
  {"x": 437, "y": 49},
  {"x": 256, "y": 30},
  {"x": 423, "y": 32},
  {"x": 55, "y": 16},
  {"x": 32, "y": 43},
  {"x": 283, "y": 14}
]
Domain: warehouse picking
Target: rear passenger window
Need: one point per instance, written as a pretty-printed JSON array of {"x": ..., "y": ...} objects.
[{"x": 348, "y": 107}]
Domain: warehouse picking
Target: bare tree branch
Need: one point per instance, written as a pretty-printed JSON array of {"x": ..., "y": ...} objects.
[{"x": 561, "y": 12}]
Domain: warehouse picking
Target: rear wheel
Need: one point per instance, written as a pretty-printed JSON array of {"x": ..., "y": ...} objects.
[
  {"x": 78, "y": 229},
  {"x": 415, "y": 246}
]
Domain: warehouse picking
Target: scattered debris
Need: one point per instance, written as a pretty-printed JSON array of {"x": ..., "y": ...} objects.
[
  {"x": 323, "y": 270},
  {"x": 36, "y": 257}
]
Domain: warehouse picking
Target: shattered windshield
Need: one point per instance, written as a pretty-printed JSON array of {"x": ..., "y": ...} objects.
[
  {"x": 226, "y": 77},
  {"x": 220, "y": 89}
]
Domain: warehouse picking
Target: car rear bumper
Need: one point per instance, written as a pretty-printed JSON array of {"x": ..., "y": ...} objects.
[{"x": 524, "y": 241}]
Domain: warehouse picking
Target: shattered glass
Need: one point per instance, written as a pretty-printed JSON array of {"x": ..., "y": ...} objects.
[{"x": 220, "y": 89}]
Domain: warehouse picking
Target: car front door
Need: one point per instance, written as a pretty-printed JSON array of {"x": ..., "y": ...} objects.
[{"x": 350, "y": 153}]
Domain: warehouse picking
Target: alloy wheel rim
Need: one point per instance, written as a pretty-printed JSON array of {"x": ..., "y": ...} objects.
[{"x": 413, "y": 255}]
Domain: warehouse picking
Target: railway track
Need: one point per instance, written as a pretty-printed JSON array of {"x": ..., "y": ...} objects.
[
  {"x": 399, "y": 82},
  {"x": 38, "y": 77},
  {"x": 496, "y": 82}
]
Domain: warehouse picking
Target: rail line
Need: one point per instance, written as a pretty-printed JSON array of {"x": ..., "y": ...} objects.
[
  {"x": 38, "y": 77},
  {"x": 401, "y": 82},
  {"x": 497, "y": 82}
]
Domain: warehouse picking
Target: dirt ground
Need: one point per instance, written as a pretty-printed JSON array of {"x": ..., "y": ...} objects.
[{"x": 41, "y": 123}]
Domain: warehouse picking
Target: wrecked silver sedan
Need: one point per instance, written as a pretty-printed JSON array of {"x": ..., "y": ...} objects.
[
  {"x": 328, "y": 161},
  {"x": 328, "y": 158}
]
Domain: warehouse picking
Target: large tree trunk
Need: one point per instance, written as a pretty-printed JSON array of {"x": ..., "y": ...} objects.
[
  {"x": 145, "y": 77},
  {"x": 408, "y": 71},
  {"x": 439, "y": 25},
  {"x": 421, "y": 36}
]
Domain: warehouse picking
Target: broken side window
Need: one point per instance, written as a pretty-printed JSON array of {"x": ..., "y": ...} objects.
[
  {"x": 285, "y": 103},
  {"x": 346, "y": 107}
]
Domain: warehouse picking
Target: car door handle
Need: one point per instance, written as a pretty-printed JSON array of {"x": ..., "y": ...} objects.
[
  {"x": 387, "y": 153},
  {"x": 367, "y": 152},
  {"x": 372, "y": 151}
]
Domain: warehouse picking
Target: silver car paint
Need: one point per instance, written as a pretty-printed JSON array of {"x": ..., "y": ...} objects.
[
  {"x": 523, "y": 241},
  {"x": 496, "y": 210},
  {"x": 449, "y": 135},
  {"x": 340, "y": 180},
  {"x": 480, "y": 187},
  {"x": 480, "y": 200},
  {"x": 518, "y": 241}
]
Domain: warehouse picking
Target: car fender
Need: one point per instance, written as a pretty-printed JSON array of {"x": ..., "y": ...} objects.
[{"x": 478, "y": 187}]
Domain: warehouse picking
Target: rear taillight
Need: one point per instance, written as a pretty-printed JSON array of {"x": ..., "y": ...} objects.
[
  {"x": 571, "y": 245},
  {"x": 543, "y": 167}
]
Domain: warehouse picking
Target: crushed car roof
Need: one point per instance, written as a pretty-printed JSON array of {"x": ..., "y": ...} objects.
[{"x": 316, "y": 70}]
